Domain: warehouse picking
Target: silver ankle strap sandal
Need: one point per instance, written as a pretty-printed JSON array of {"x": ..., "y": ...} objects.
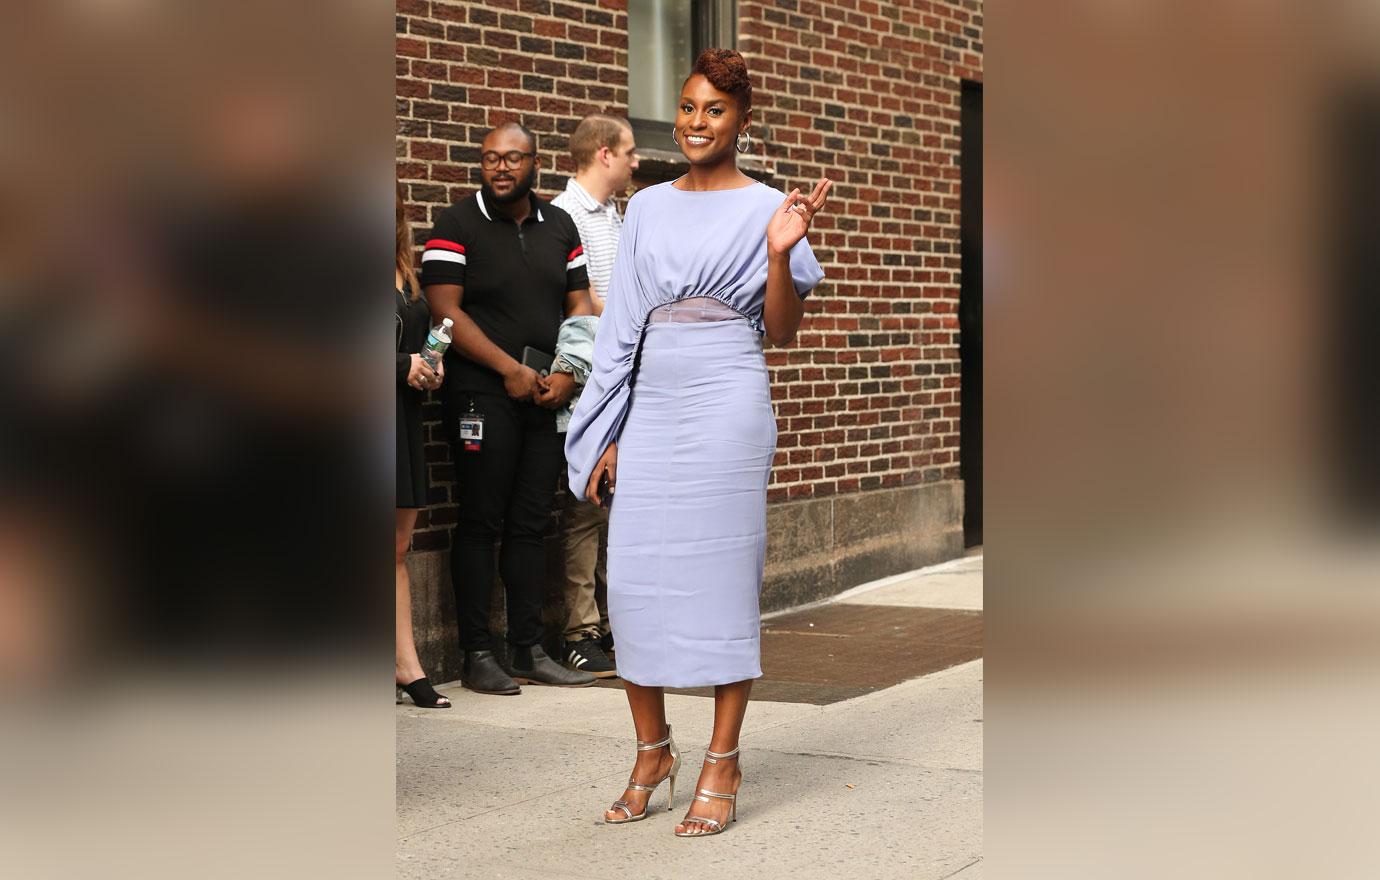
[
  {"x": 633, "y": 785},
  {"x": 714, "y": 826}
]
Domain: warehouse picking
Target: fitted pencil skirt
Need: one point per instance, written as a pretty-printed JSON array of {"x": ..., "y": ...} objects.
[{"x": 688, "y": 524}]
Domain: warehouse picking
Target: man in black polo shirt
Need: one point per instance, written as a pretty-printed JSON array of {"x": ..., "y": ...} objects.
[{"x": 507, "y": 268}]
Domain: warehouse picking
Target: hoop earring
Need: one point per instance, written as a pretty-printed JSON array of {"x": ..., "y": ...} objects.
[
  {"x": 673, "y": 135},
  {"x": 743, "y": 148}
]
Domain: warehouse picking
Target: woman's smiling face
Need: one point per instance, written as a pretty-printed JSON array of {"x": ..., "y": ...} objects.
[{"x": 707, "y": 122}]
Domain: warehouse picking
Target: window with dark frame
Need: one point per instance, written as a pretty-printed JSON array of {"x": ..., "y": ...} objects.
[{"x": 664, "y": 37}]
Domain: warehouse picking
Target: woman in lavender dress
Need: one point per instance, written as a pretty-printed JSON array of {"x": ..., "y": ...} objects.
[{"x": 676, "y": 424}]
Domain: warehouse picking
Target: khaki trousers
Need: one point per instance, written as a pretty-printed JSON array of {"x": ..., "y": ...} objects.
[{"x": 584, "y": 538}]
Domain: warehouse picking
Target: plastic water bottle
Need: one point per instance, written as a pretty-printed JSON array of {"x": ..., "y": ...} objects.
[{"x": 437, "y": 341}]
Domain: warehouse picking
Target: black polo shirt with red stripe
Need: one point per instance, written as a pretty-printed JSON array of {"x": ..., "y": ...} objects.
[{"x": 515, "y": 278}]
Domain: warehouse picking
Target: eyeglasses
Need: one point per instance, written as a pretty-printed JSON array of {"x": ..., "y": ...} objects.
[{"x": 512, "y": 159}]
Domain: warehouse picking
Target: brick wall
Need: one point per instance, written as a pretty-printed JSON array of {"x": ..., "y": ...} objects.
[
  {"x": 866, "y": 93},
  {"x": 463, "y": 68}
]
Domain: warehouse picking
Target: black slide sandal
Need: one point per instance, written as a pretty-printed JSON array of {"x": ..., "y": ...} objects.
[{"x": 424, "y": 696}]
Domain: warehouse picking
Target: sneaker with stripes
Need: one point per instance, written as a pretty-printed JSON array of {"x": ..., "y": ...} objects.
[{"x": 586, "y": 655}]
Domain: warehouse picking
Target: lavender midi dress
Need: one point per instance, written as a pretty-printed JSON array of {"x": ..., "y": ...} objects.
[{"x": 690, "y": 407}]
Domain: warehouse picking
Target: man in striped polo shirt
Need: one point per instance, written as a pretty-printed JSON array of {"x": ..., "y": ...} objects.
[
  {"x": 605, "y": 157},
  {"x": 507, "y": 267}
]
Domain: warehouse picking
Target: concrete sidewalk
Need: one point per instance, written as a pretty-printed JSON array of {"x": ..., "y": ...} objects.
[{"x": 884, "y": 785}]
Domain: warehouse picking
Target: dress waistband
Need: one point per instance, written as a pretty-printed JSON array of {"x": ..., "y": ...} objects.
[{"x": 694, "y": 310}]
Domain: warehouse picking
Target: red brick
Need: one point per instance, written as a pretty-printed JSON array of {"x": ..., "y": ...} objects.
[
  {"x": 411, "y": 88},
  {"x": 428, "y": 70},
  {"x": 447, "y": 52},
  {"x": 425, "y": 150},
  {"x": 411, "y": 48},
  {"x": 548, "y": 28}
]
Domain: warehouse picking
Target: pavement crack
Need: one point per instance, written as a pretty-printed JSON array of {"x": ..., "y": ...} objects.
[
  {"x": 508, "y": 806},
  {"x": 876, "y": 760},
  {"x": 962, "y": 869}
]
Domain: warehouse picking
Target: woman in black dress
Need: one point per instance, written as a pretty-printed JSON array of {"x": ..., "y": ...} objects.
[{"x": 415, "y": 379}]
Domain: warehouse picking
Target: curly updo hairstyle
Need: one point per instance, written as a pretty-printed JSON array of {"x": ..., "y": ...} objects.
[{"x": 726, "y": 71}]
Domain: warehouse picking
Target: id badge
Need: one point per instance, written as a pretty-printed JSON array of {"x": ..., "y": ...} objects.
[{"x": 472, "y": 432}]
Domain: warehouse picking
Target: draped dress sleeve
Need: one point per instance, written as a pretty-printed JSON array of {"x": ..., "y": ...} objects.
[
  {"x": 603, "y": 405},
  {"x": 805, "y": 269},
  {"x": 675, "y": 244}
]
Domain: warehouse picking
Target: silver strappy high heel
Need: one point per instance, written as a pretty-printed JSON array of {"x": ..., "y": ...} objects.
[
  {"x": 714, "y": 825},
  {"x": 623, "y": 805}
]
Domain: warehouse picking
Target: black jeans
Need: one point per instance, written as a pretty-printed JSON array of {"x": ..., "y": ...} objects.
[{"x": 505, "y": 490}]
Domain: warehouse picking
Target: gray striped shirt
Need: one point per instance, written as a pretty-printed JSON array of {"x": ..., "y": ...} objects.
[{"x": 600, "y": 227}]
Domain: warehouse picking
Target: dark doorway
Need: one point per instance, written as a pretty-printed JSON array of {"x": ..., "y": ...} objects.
[
  {"x": 970, "y": 312},
  {"x": 1353, "y": 243}
]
